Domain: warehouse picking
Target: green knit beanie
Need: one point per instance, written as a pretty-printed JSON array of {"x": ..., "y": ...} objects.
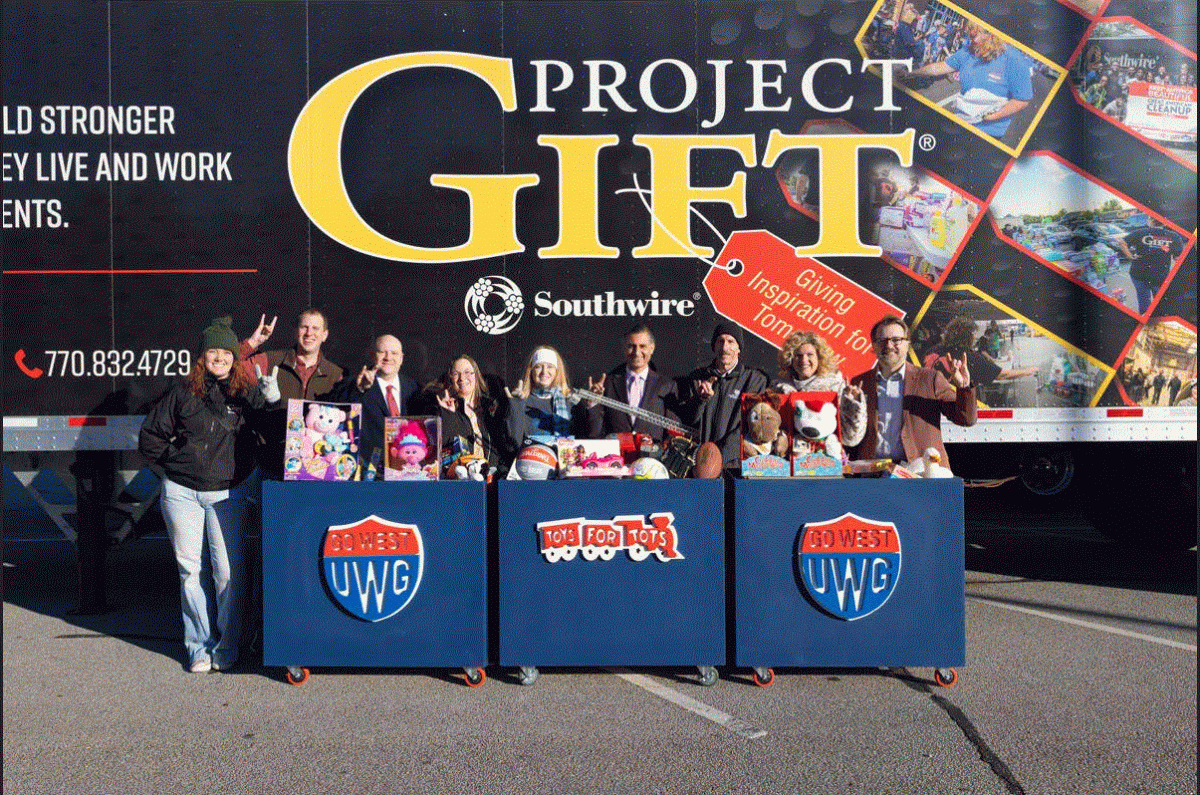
[{"x": 220, "y": 334}]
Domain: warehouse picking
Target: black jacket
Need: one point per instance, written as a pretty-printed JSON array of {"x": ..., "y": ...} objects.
[{"x": 202, "y": 442}]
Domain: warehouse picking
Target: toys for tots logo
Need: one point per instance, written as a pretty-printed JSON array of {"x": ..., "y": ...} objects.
[
  {"x": 849, "y": 565},
  {"x": 638, "y": 536},
  {"x": 372, "y": 568}
]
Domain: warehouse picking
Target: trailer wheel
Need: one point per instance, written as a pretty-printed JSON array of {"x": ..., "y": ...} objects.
[
  {"x": 764, "y": 677},
  {"x": 296, "y": 675},
  {"x": 475, "y": 677},
  {"x": 945, "y": 677},
  {"x": 1047, "y": 472}
]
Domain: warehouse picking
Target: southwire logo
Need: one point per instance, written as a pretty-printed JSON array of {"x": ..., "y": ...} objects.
[
  {"x": 607, "y": 304},
  {"x": 494, "y": 305}
]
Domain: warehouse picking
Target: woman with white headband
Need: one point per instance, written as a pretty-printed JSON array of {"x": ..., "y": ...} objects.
[{"x": 543, "y": 406}]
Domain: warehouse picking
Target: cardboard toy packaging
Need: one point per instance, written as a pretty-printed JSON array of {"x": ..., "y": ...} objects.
[
  {"x": 815, "y": 433},
  {"x": 591, "y": 458},
  {"x": 321, "y": 440},
  {"x": 765, "y": 446},
  {"x": 411, "y": 446}
]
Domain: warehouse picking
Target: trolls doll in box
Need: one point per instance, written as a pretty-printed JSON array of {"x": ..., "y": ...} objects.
[
  {"x": 412, "y": 445},
  {"x": 816, "y": 441},
  {"x": 764, "y": 441},
  {"x": 321, "y": 442}
]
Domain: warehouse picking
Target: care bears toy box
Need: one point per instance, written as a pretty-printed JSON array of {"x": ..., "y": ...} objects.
[
  {"x": 411, "y": 446},
  {"x": 321, "y": 441},
  {"x": 812, "y": 420}
]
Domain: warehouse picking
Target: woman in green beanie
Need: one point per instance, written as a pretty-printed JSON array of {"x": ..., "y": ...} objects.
[{"x": 201, "y": 433}]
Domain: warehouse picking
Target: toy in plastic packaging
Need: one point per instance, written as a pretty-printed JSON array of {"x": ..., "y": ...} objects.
[
  {"x": 816, "y": 435},
  {"x": 321, "y": 440},
  {"x": 412, "y": 445},
  {"x": 764, "y": 439},
  {"x": 591, "y": 458}
]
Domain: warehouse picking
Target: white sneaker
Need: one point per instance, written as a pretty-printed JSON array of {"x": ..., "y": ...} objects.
[
  {"x": 223, "y": 665},
  {"x": 201, "y": 666}
]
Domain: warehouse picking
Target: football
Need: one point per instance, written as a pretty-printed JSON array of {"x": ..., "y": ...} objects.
[{"x": 708, "y": 461}]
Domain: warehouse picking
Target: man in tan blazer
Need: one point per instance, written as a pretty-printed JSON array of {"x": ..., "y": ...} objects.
[{"x": 905, "y": 403}]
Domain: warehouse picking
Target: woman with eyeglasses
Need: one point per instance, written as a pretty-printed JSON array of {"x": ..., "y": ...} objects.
[{"x": 470, "y": 414}]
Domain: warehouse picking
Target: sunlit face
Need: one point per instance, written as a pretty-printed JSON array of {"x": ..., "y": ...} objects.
[
  {"x": 638, "y": 350},
  {"x": 726, "y": 350},
  {"x": 891, "y": 346},
  {"x": 218, "y": 362},
  {"x": 543, "y": 374},
  {"x": 462, "y": 379},
  {"x": 311, "y": 333},
  {"x": 805, "y": 360},
  {"x": 389, "y": 355}
]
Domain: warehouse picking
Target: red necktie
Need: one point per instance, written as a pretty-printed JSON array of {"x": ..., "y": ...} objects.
[{"x": 393, "y": 406}]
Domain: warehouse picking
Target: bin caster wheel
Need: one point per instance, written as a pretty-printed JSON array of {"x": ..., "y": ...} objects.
[
  {"x": 764, "y": 677},
  {"x": 527, "y": 675},
  {"x": 708, "y": 675},
  {"x": 475, "y": 676},
  {"x": 297, "y": 675},
  {"x": 945, "y": 677}
]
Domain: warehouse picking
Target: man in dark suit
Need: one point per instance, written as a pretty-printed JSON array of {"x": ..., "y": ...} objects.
[
  {"x": 635, "y": 383},
  {"x": 905, "y": 403},
  {"x": 383, "y": 392}
]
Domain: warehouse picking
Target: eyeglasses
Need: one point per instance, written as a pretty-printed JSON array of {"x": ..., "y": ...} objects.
[{"x": 886, "y": 341}]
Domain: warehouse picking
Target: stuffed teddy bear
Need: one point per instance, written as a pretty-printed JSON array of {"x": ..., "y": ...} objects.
[
  {"x": 816, "y": 429},
  {"x": 323, "y": 432},
  {"x": 761, "y": 434}
]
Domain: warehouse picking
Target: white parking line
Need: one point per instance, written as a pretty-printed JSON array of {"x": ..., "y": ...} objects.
[
  {"x": 1090, "y": 625},
  {"x": 735, "y": 725}
]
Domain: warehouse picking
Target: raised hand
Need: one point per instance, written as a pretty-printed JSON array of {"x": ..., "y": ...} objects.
[
  {"x": 268, "y": 384},
  {"x": 366, "y": 377},
  {"x": 597, "y": 386},
  {"x": 961, "y": 377},
  {"x": 704, "y": 387},
  {"x": 263, "y": 332}
]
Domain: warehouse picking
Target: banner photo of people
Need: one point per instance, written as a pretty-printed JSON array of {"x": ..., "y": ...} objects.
[
  {"x": 1142, "y": 82},
  {"x": 1159, "y": 369}
]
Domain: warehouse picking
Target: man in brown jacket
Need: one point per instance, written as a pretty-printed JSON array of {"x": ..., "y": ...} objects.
[{"x": 905, "y": 403}]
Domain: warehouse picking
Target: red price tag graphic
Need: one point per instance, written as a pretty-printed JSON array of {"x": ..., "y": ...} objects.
[{"x": 760, "y": 284}]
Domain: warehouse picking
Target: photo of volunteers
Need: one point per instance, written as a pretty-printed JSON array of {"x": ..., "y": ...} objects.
[
  {"x": 1138, "y": 80},
  {"x": 1013, "y": 362},
  {"x": 1160, "y": 367},
  {"x": 919, "y": 220},
  {"x": 964, "y": 68},
  {"x": 1087, "y": 231}
]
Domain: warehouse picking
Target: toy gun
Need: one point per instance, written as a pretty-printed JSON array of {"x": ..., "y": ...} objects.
[{"x": 678, "y": 453}]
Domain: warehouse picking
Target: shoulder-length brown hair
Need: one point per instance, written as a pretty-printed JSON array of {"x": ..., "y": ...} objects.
[
  {"x": 239, "y": 382},
  {"x": 985, "y": 44},
  {"x": 481, "y": 392}
]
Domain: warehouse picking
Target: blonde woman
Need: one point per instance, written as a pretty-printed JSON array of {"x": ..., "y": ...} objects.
[
  {"x": 994, "y": 77},
  {"x": 808, "y": 364},
  {"x": 543, "y": 406}
]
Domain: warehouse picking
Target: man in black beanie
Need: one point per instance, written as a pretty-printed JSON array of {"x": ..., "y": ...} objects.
[{"x": 712, "y": 395}]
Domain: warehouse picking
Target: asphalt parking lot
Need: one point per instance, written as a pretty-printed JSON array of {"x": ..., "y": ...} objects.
[{"x": 1080, "y": 677}]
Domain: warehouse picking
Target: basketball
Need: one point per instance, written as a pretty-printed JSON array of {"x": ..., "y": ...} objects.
[{"x": 536, "y": 462}]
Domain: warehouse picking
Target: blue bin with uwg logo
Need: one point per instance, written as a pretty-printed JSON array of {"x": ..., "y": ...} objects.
[
  {"x": 375, "y": 574},
  {"x": 611, "y": 572},
  {"x": 855, "y": 572}
]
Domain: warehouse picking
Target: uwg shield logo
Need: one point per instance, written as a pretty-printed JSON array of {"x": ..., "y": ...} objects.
[
  {"x": 849, "y": 565},
  {"x": 372, "y": 568}
]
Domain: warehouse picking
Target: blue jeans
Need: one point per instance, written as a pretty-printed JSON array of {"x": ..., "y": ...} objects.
[{"x": 207, "y": 531}]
